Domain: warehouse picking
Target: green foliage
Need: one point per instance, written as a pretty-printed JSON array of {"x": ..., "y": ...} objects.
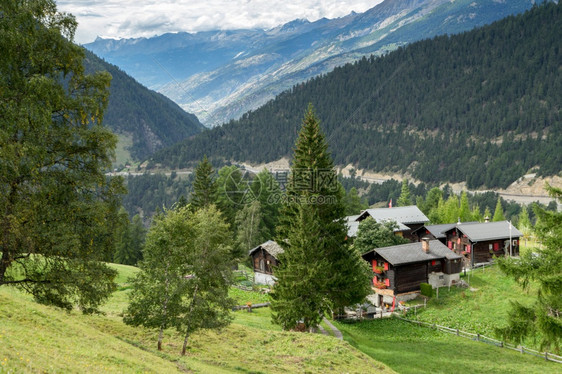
[
  {"x": 372, "y": 234},
  {"x": 543, "y": 319},
  {"x": 426, "y": 289},
  {"x": 130, "y": 241},
  {"x": 438, "y": 109},
  {"x": 318, "y": 270},
  {"x": 204, "y": 185},
  {"x": 250, "y": 229},
  {"x": 266, "y": 191},
  {"x": 498, "y": 212},
  {"x": 464, "y": 210},
  {"x": 185, "y": 274},
  {"x": 353, "y": 203},
  {"x": 404, "y": 199},
  {"x": 58, "y": 209}
]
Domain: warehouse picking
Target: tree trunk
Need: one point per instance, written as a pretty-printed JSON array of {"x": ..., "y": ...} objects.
[
  {"x": 160, "y": 335},
  {"x": 184, "y": 348}
]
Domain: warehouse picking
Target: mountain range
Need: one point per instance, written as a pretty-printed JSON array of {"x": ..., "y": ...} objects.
[
  {"x": 482, "y": 106},
  {"x": 219, "y": 75},
  {"x": 147, "y": 120}
]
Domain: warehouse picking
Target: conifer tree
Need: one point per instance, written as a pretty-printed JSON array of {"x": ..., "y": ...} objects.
[
  {"x": 318, "y": 270},
  {"x": 475, "y": 214},
  {"x": 266, "y": 190},
  {"x": 204, "y": 186},
  {"x": 487, "y": 213},
  {"x": 498, "y": 212},
  {"x": 353, "y": 203},
  {"x": 405, "y": 198},
  {"x": 250, "y": 229}
]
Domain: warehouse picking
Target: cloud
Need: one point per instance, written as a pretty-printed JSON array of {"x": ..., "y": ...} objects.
[{"x": 145, "y": 18}]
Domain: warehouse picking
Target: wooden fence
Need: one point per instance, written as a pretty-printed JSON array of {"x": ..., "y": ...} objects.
[{"x": 484, "y": 339}]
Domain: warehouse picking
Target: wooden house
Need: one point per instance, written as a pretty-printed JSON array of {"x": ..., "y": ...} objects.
[
  {"x": 400, "y": 269},
  {"x": 264, "y": 259},
  {"x": 408, "y": 219},
  {"x": 437, "y": 231},
  {"x": 479, "y": 243}
]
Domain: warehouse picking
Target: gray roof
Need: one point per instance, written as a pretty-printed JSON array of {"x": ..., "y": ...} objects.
[
  {"x": 271, "y": 247},
  {"x": 439, "y": 230},
  {"x": 401, "y": 214},
  {"x": 412, "y": 252},
  {"x": 489, "y": 231}
]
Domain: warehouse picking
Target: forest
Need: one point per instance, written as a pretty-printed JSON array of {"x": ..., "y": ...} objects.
[{"x": 482, "y": 107}]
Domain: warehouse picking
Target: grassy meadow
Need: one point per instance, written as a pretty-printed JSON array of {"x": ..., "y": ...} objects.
[{"x": 37, "y": 338}]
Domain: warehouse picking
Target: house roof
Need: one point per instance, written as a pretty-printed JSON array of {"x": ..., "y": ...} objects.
[
  {"x": 271, "y": 247},
  {"x": 401, "y": 214},
  {"x": 489, "y": 231},
  {"x": 412, "y": 252},
  {"x": 438, "y": 231}
]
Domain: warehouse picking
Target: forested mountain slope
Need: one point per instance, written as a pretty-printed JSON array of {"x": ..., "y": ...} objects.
[
  {"x": 219, "y": 75},
  {"x": 153, "y": 120},
  {"x": 482, "y": 107}
]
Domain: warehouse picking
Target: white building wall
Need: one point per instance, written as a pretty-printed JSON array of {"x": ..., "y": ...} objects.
[{"x": 266, "y": 279}]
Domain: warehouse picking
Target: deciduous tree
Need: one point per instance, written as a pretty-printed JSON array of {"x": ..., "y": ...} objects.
[
  {"x": 372, "y": 234},
  {"x": 57, "y": 207}
]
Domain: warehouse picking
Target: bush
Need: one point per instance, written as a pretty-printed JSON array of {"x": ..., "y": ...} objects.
[{"x": 426, "y": 289}]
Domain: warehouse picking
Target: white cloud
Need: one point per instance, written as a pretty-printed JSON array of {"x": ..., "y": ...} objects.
[{"x": 138, "y": 18}]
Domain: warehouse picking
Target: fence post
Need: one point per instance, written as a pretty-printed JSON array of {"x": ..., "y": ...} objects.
[
  {"x": 522, "y": 350},
  {"x": 546, "y": 356},
  {"x": 477, "y": 337},
  {"x": 501, "y": 344},
  {"x": 457, "y": 332}
]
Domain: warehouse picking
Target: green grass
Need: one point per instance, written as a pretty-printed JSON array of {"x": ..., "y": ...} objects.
[
  {"x": 122, "y": 153},
  {"x": 479, "y": 308},
  {"x": 409, "y": 348},
  {"x": 37, "y": 338}
]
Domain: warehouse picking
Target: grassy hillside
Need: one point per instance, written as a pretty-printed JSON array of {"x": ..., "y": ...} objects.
[
  {"x": 479, "y": 308},
  {"x": 408, "y": 348},
  {"x": 36, "y": 338}
]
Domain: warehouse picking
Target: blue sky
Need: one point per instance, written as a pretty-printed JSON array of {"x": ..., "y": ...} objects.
[{"x": 145, "y": 18}]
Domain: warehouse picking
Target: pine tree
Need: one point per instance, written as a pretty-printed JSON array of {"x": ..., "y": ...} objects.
[
  {"x": 318, "y": 269},
  {"x": 487, "y": 213},
  {"x": 353, "y": 203},
  {"x": 405, "y": 198},
  {"x": 204, "y": 186},
  {"x": 476, "y": 215},
  {"x": 498, "y": 212},
  {"x": 266, "y": 190}
]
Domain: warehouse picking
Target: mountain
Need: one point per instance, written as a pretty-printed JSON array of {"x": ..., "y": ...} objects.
[
  {"x": 219, "y": 75},
  {"x": 152, "y": 120},
  {"x": 482, "y": 107}
]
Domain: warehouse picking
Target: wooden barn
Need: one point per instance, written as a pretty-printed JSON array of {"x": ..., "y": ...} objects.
[
  {"x": 264, "y": 259},
  {"x": 408, "y": 219},
  {"x": 479, "y": 243},
  {"x": 400, "y": 269}
]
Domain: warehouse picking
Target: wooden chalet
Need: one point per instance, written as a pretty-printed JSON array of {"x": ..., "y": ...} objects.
[
  {"x": 479, "y": 243},
  {"x": 264, "y": 259},
  {"x": 437, "y": 231},
  {"x": 408, "y": 219},
  {"x": 400, "y": 269}
]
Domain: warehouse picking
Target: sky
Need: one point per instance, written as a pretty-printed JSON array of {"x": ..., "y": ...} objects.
[{"x": 145, "y": 18}]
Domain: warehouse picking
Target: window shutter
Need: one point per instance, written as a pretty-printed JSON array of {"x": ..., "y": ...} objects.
[
  {"x": 450, "y": 244},
  {"x": 496, "y": 246},
  {"x": 386, "y": 266},
  {"x": 433, "y": 263},
  {"x": 468, "y": 248},
  {"x": 374, "y": 264},
  {"x": 387, "y": 282}
]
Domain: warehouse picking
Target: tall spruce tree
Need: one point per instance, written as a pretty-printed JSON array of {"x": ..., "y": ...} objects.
[
  {"x": 498, "y": 212},
  {"x": 405, "y": 198},
  {"x": 204, "y": 186},
  {"x": 318, "y": 270}
]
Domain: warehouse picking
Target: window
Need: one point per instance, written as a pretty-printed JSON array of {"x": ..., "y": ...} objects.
[
  {"x": 515, "y": 242},
  {"x": 496, "y": 246},
  {"x": 490, "y": 247}
]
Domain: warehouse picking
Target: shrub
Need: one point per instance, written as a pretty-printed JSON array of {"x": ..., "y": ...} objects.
[{"x": 426, "y": 289}]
